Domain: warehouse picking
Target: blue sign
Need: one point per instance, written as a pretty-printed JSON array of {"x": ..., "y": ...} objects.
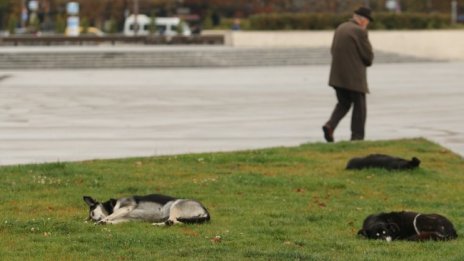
[
  {"x": 72, "y": 8},
  {"x": 33, "y": 5},
  {"x": 73, "y": 26}
]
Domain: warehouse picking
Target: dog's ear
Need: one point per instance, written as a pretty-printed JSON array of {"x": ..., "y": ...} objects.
[
  {"x": 113, "y": 202},
  {"x": 393, "y": 228},
  {"x": 90, "y": 201},
  {"x": 415, "y": 162}
]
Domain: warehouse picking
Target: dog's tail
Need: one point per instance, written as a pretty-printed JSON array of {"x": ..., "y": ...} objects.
[{"x": 195, "y": 220}]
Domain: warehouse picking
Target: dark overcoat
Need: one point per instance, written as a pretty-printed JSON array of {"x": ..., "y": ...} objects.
[{"x": 351, "y": 55}]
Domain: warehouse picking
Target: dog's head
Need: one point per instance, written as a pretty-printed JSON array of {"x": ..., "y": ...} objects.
[
  {"x": 97, "y": 210},
  {"x": 380, "y": 230},
  {"x": 414, "y": 163}
]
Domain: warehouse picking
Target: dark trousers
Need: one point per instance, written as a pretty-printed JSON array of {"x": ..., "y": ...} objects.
[{"x": 358, "y": 117}]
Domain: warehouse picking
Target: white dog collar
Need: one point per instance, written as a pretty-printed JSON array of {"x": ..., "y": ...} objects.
[{"x": 415, "y": 224}]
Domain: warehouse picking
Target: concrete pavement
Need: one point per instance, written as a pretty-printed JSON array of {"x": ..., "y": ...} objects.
[{"x": 70, "y": 115}]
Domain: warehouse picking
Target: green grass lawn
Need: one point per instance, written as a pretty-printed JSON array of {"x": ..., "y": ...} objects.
[{"x": 273, "y": 204}]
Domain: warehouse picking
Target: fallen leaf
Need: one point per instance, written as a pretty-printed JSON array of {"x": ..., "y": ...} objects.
[{"x": 216, "y": 239}]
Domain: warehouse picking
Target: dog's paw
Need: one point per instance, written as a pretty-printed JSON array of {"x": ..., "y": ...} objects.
[{"x": 165, "y": 223}]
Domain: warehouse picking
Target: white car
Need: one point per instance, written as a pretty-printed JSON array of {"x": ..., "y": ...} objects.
[{"x": 168, "y": 26}]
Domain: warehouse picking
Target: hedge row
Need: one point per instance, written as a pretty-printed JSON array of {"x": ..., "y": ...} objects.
[
  {"x": 324, "y": 21},
  {"x": 411, "y": 21}
]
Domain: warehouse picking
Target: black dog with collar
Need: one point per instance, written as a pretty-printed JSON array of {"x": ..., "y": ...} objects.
[
  {"x": 383, "y": 161},
  {"x": 407, "y": 225}
]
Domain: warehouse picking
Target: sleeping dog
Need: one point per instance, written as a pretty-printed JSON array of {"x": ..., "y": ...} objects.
[
  {"x": 407, "y": 225},
  {"x": 159, "y": 209},
  {"x": 382, "y": 161}
]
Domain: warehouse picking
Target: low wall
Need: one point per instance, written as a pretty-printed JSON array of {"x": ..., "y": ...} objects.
[
  {"x": 437, "y": 44},
  {"x": 446, "y": 44}
]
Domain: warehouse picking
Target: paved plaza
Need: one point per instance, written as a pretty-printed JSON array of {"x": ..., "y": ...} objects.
[{"x": 71, "y": 115}]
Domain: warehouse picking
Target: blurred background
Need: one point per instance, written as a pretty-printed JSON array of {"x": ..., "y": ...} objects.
[
  {"x": 101, "y": 17},
  {"x": 87, "y": 79}
]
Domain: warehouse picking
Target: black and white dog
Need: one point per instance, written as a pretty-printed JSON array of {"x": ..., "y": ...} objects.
[
  {"x": 159, "y": 209},
  {"x": 382, "y": 161},
  {"x": 407, "y": 225}
]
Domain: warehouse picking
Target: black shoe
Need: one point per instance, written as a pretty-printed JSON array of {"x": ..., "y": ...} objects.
[{"x": 328, "y": 133}]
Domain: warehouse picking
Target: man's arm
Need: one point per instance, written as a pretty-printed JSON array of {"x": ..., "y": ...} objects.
[{"x": 364, "y": 47}]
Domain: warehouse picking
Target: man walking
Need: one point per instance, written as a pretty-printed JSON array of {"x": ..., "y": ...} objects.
[{"x": 351, "y": 55}]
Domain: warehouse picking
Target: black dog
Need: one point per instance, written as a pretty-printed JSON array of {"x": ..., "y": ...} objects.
[
  {"x": 407, "y": 226},
  {"x": 382, "y": 161}
]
